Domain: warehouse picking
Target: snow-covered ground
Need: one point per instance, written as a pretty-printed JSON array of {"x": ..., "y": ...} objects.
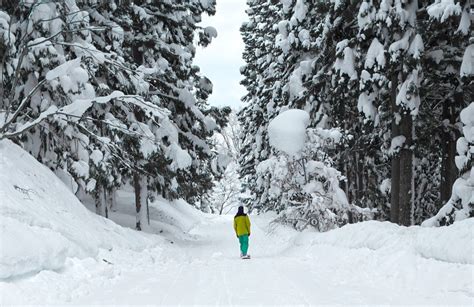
[
  {"x": 286, "y": 268},
  {"x": 54, "y": 251}
]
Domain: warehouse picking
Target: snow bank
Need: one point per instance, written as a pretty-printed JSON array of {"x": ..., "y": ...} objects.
[
  {"x": 175, "y": 219},
  {"x": 171, "y": 220},
  {"x": 43, "y": 223},
  {"x": 287, "y": 131},
  {"x": 450, "y": 244}
]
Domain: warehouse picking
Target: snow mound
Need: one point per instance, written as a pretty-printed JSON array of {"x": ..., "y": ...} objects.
[
  {"x": 449, "y": 244},
  {"x": 175, "y": 219},
  {"x": 287, "y": 131},
  {"x": 43, "y": 223}
]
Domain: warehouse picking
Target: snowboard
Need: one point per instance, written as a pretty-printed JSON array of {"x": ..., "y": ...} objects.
[{"x": 245, "y": 257}]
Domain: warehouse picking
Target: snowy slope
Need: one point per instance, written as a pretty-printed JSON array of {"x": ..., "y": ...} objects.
[
  {"x": 43, "y": 223},
  {"x": 171, "y": 220}
]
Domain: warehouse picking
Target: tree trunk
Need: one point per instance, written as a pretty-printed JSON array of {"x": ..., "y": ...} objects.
[
  {"x": 395, "y": 167},
  {"x": 449, "y": 136},
  {"x": 345, "y": 184},
  {"x": 100, "y": 207},
  {"x": 360, "y": 177},
  {"x": 111, "y": 199},
  {"x": 141, "y": 199},
  {"x": 406, "y": 171}
]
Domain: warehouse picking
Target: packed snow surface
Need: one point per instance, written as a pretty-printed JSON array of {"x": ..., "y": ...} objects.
[
  {"x": 287, "y": 131},
  {"x": 54, "y": 251}
]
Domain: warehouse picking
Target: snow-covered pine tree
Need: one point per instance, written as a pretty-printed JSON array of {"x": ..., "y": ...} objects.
[
  {"x": 405, "y": 52},
  {"x": 389, "y": 83},
  {"x": 460, "y": 205},
  {"x": 445, "y": 28},
  {"x": 305, "y": 186},
  {"x": 159, "y": 39},
  {"x": 374, "y": 69},
  {"x": 75, "y": 67},
  {"x": 327, "y": 80},
  {"x": 357, "y": 154},
  {"x": 372, "y": 104},
  {"x": 259, "y": 35},
  {"x": 50, "y": 82}
]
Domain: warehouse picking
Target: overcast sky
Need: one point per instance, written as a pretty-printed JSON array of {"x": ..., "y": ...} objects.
[{"x": 222, "y": 59}]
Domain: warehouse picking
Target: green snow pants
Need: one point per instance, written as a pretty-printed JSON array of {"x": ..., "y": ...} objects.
[{"x": 244, "y": 244}]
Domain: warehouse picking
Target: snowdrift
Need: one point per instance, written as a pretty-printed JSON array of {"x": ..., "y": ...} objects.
[
  {"x": 43, "y": 223},
  {"x": 453, "y": 243},
  {"x": 177, "y": 218},
  {"x": 171, "y": 220}
]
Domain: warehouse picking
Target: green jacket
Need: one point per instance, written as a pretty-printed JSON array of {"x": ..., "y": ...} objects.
[{"x": 242, "y": 225}]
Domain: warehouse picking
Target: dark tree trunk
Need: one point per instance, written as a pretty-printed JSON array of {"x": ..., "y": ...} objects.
[
  {"x": 140, "y": 199},
  {"x": 100, "y": 206},
  {"x": 346, "y": 183},
  {"x": 449, "y": 136},
  {"x": 395, "y": 167},
  {"x": 360, "y": 177},
  {"x": 406, "y": 171},
  {"x": 111, "y": 198}
]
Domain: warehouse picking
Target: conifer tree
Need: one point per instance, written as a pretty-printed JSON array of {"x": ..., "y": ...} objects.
[
  {"x": 105, "y": 93},
  {"x": 259, "y": 78}
]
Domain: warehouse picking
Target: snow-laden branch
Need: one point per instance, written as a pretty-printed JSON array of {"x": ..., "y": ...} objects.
[
  {"x": 20, "y": 108},
  {"x": 29, "y": 125},
  {"x": 74, "y": 110}
]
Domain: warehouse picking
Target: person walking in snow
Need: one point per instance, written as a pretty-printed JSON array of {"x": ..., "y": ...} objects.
[{"x": 242, "y": 230}]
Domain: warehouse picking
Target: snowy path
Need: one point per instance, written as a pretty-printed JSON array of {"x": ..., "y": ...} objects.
[
  {"x": 284, "y": 270},
  {"x": 208, "y": 271}
]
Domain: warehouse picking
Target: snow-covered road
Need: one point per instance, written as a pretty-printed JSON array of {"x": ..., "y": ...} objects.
[{"x": 284, "y": 270}]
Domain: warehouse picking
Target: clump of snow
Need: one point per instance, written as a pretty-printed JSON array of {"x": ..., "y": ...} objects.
[
  {"x": 345, "y": 62},
  {"x": 467, "y": 66},
  {"x": 465, "y": 23},
  {"x": 287, "y": 131},
  {"x": 375, "y": 54},
  {"x": 365, "y": 15},
  {"x": 180, "y": 157},
  {"x": 397, "y": 48},
  {"x": 366, "y": 105},
  {"x": 332, "y": 135},
  {"x": 443, "y": 9},
  {"x": 211, "y": 32},
  {"x": 396, "y": 144},
  {"x": 43, "y": 223},
  {"x": 386, "y": 186},
  {"x": 300, "y": 10},
  {"x": 295, "y": 85},
  {"x": 408, "y": 96},
  {"x": 281, "y": 39},
  {"x": 416, "y": 47}
]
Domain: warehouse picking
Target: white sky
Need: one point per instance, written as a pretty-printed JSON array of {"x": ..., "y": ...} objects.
[{"x": 222, "y": 59}]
